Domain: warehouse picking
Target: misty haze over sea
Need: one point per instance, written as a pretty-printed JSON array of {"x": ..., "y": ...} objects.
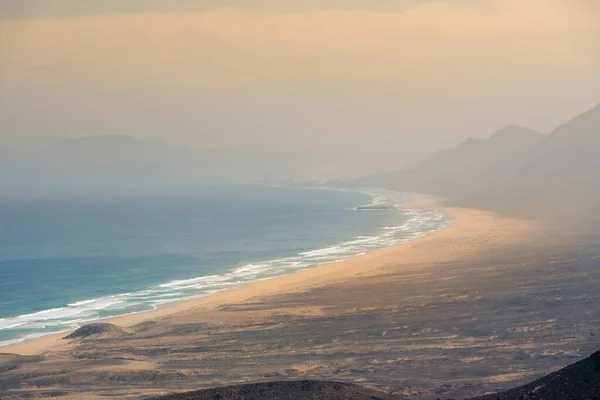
[
  {"x": 395, "y": 199},
  {"x": 110, "y": 225}
]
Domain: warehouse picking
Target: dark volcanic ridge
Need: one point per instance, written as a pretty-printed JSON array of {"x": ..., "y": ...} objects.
[
  {"x": 292, "y": 390},
  {"x": 99, "y": 331},
  {"x": 579, "y": 381}
]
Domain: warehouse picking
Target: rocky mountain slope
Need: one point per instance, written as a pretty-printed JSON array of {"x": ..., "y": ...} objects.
[{"x": 579, "y": 381}]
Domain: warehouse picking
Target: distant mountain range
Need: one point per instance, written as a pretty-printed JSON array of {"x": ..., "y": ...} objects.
[
  {"x": 571, "y": 151},
  {"x": 470, "y": 163},
  {"x": 122, "y": 161},
  {"x": 514, "y": 160}
]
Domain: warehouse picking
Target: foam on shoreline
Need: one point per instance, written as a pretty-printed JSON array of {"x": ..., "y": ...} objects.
[{"x": 71, "y": 316}]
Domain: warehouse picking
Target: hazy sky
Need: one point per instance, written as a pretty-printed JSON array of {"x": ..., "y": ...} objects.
[{"x": 377, "y": 75}]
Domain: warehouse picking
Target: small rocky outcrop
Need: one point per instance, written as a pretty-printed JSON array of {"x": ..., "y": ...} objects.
[{"x": 99, "y": 331}]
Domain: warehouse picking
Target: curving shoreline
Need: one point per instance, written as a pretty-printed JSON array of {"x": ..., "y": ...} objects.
[
  {"x": 426, "y": 308},
  {"x": 368, "y": 264},
  {"x": 383, "y": 231},
  {"x": 42, "y": 342}
]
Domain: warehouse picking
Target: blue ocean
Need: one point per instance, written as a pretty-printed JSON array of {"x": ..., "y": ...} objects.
[{"x": 68, "y": 260}]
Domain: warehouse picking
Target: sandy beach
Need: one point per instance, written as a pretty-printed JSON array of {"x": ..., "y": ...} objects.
[
  {"x": 300, "y": 200},
  {"x": 433, "y": 248},
  {"x": 451, "y": 297}
]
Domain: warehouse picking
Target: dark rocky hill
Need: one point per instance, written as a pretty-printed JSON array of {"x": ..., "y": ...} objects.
[
  {"x": 579, "y": 381},
  {"x": 292, "y": 390},
  {"x": 99, "y": 331}
]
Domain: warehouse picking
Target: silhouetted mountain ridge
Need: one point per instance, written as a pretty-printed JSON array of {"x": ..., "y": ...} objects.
[
  {"x": 571, "y": 150},
  {"x": 514, "y": 161},
  {"x": 124, "y": 161},
  {"x": 457, "y": 170}
]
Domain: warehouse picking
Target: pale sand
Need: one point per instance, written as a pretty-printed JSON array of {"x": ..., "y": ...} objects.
[{"x": 471, "y": 231}]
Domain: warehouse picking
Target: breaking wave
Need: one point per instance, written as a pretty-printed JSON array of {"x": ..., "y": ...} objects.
[{"x": 416, "y": 223}]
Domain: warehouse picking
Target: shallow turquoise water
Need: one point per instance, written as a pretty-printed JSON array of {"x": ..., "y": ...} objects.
[{"x": 68, "y": 260}]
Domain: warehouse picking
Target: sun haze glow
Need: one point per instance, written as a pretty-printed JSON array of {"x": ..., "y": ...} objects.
[{"x": 273, "y": 76}]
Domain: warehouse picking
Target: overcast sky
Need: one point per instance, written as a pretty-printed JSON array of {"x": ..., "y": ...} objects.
[{"x": 337, "y": 75}]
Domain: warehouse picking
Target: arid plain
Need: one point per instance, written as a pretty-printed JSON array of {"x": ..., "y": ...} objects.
[{"x": 489, "y": 303}]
